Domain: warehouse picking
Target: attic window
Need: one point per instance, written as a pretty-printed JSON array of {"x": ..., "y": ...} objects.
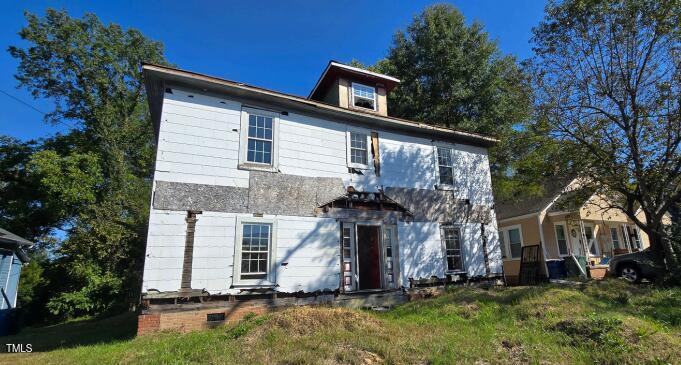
[{"x": 363, "y": 96}]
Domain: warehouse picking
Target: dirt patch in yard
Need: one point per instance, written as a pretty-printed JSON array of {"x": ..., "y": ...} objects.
[{"x": 304, "y": 321}]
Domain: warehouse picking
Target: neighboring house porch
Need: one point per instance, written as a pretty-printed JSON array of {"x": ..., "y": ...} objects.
[{"x": 577, "y": 235}]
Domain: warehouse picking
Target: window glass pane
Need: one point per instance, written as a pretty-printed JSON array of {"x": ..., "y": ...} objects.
[
  {"x": 358, "y": 148},
  {"x": 502, "y": 244},
  {"x": 452, "y": 240},
  {"x": 445, "y": 168},
  {"x": 363, "y": 96},
  {"x": 615, "y": 238},
  {"x": 260, "y": 132},
  {"x": 514, "y": 242},
  {"x": 255, "y": 250},
  {"x": 562, "y": 241}
]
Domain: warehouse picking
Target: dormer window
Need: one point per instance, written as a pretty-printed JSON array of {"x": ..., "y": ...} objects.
[{"x": 363, "y": 96}]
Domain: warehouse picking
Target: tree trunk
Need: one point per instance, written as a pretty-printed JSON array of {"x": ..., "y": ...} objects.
[{"x": 663, "y": 251}]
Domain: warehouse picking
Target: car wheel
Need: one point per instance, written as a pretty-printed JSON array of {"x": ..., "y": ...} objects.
[{"x": 630, "y": 273}]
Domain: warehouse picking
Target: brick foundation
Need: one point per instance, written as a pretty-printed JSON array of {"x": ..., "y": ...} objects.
[
  {"x": 188, "y": 317},
  {"x": 147, "y": 323}
]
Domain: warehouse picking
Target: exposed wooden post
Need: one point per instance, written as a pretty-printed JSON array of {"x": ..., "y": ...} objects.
[
  {"x": 186, "y": 283},
  {"x": 484, "y": 249}
]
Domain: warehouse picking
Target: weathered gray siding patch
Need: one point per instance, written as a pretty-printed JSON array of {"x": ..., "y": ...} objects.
[
  {"x": 284, "y": 194},
  {"x": 437, "y": 206},
  {"x": 269, "y": 193},
  {"x": 183, "y": 196}
]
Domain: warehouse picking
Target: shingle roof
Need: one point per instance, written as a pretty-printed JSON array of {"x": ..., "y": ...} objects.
[
  {"x": 9, "y": 237},
  {"x": 514, "y": 208}
]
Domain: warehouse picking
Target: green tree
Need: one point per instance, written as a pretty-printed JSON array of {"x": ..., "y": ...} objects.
[
  {"x": 453, "y": 75},
  {"x": 610, "y": 84},
  {"x": 100, "y": 170}
]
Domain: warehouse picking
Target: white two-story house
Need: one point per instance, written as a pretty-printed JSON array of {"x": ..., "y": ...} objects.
[{"x": 257, "y": 191}]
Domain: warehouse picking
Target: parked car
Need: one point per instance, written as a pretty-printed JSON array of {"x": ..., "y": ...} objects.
[{"x": 635, "y": 266}]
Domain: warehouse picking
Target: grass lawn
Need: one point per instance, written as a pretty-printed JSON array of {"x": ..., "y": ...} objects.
[{"x": 608, "y": 322}]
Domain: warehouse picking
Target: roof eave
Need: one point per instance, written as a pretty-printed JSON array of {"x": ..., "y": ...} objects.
[{"x": 157, "y": 76}]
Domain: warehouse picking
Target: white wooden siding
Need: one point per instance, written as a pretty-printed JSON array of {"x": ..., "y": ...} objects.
[
  {"x": 199, "y": 143},
  {"x": 309, "y": 247}
]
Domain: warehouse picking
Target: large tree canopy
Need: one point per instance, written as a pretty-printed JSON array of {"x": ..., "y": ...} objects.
[
  {"x": 100, "y": 170},
  {"x": 609, "y": 83},
  {"x": 453, "y": 75}
]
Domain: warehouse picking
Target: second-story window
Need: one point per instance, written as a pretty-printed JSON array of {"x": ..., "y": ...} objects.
[
  {"x": 445, "y": 165},
  {"x": 363, "y": 96},
  {"x": 358, "y": 150},
  {"x": 258, "y": 139}
]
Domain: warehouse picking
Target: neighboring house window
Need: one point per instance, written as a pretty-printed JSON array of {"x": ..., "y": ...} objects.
[
  {"x": 445, "y": 165},
  {"x": 502, "y": 244},
  {"x": 634, "y": 238},
  {"x": 452, "y": 242},
  {"x": 259, "y": 139},
  {"x": 615, "y": 238},
  {"x": 513, "y": 237},
  {"x": 363, "y": 96},
  {"x": 358, "y": 150},
  {"x": 561, "y": 239},
  {"x": 255, "y": 247}
]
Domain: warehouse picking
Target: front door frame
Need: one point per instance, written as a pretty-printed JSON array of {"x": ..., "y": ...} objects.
[{"x": 382, "y": 229}]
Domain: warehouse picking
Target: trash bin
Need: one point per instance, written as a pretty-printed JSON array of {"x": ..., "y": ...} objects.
[{"x": 556, "y": 269}]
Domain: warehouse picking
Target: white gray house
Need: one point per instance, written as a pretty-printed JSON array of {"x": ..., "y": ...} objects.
[{"x": 260, "y": 191}]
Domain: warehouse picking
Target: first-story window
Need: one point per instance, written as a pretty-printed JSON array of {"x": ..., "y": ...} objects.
[
  {"x": 255, "y": 248},
  {"x": 259, "y": 130},
  {"x": 445, "y": 165},
  {"x": 513, "y": 241},
  {"x": 502, "y": 244},
  {"x": 452, "y": 242},
  {"x": 254, "y": 251},
  {"x": 358, "y": 150},
  {"x": 561, "y": 239},
  {"x": 615, "y": 238}
]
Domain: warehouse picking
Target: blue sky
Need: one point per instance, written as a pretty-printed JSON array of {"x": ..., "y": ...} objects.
[{"x": 281, "y": 45}]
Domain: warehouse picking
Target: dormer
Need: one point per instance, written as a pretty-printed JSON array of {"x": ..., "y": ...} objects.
[{"x": 354, "y": 88}]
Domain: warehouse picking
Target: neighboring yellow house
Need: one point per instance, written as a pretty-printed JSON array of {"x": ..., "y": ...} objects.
[{"x": 586, "y": 231}]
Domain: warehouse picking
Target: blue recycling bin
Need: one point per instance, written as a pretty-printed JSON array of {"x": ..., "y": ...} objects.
[{"x": 557, "y": 269}]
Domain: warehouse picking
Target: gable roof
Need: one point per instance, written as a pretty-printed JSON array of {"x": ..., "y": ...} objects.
[
  {"x": 335, "y": 68},
  {"x": 158, "y": 77},
  {"x": 11, "y": 238},
  {"x": 514, "y": 208},
  {"x": 11, "y": 241}
]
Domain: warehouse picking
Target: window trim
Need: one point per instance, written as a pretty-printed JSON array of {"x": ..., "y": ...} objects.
[
  {"x": 619, "y": 241},
  {"x": 436, "y": 153},
  {"x": 444, "y": 248},
  {"x": 348, "y": 151},
  {"x": 244, "y": 164},
  {"x": 567, "y": 236},
  {"x": 507, "y": 239},
  {"x": 352, "y": 96},
  {"x": 271, "y": 277}
]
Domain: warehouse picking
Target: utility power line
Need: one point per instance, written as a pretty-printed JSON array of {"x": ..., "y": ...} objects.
[{"x": 31, "y": 106}]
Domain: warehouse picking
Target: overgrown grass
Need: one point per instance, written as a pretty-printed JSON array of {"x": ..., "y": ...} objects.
[{"x": 607, "y": 322}]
